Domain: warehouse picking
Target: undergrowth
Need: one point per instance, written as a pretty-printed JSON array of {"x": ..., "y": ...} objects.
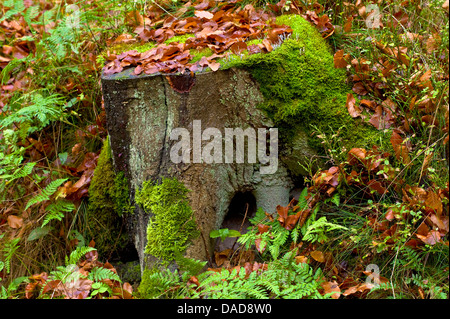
[{"x": 371, "y": 223}]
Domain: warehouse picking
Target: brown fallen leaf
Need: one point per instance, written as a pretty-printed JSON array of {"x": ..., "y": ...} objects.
[
  {"x": 340, "y": 61},
  {"x": 401, "y": 150},
  {"x": 221, "y": 257},
  {"x": 331, "y": 286},
  {"x": 14, "y": 221},
  {"x": 352, "y": 108},
  {"x": 203, "y": 14},
  {"x": 348, "y": 24},
  {"x": 301, "y": 259},
  {"x": 238, "y": 47},
  {"x": 317, "y": 255},
  {"x": 434, "y": 202},
  {"x": 431, "y": 238}
]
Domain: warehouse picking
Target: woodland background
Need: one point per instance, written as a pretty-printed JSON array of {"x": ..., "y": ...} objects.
[{"x": 385, "y": 206}]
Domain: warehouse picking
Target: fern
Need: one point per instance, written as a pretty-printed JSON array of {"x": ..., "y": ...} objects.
[
  {"x": 317, "y": 229},
  {"x": 19, "y": 172},
  {"x": 41, "y": 111},
  {"x": 412, "y": 258},
  {"x": 9, "y": 248},
  {"x": 65, "y": 274},
  {"x": 283, "y": 279},
  {"x": 17, "y": 6},
  {"x": 46, "y": 193},
  {"x": 157, "y": 284},
  {"x": 100, "y": 273},
  {"x": 7, "y": 70},
  {"x": 77, "y": 254},
  {"x": 56, "y": 210}
]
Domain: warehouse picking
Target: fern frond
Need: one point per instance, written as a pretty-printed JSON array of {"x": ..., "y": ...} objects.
[
  {"x": 46, "y": 193},
  {"x": 77, "y": 254},
  {"x": 23, "y": 171},
  {"x": 100, "y": 273},
  {"x": 57, "y": 209},
  {"x": 43, "y": 108},
  {"x": 9, "y": 248}
]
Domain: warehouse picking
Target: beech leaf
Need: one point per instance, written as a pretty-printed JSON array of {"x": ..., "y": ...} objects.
[
  {"x": 318, "y": 256},
  {"x": 14, "y": 221},
  {"x": 203, "y": 14},
  {"x": 352, "y": 108}
]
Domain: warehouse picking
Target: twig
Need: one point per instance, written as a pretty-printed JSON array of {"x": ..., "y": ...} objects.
[
  {"x": 392, "y": 273},
  {"x": 429, "y": 137},
  {"x": 242, "y": 224},
  {"x": 165, "y": 10}
]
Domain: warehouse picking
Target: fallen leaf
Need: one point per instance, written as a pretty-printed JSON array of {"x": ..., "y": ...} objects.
[
  {"x": 357, "y": 155},
  {"x": 134, "y": 19},
  {"x": 352, "y": 108},
  {"x": 359, "y": 88},
  {"x": 442, "y": 224},
  {"x": 401, "y": 150},
  {"x": 220, "y": 257},
  {"x": 317, "y": 255},
  {"x": 331, "y": 286},
  {"x": 301, "y": 259},
  {"x": 434, "y": 202},
  {"x": 203, "y": 14},
  {"x": 260, "y": 245},
  {"x": 431, "y": 238},
  {"x": 340, "y": 61},
  {"x": 348, "y": 24},
  {"x": 14, "y": 221},
  {"x": 377, "y": 186},
  {"x": 390, "y": 214},
  {"x": 369, "y": 104},
  {"x": 262, "y": 228},
  {"x": 238, "y": 47}
]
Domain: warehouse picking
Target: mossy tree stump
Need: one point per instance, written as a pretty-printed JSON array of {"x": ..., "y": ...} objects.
[
  {"x": 141, "y": 113},
  {"x": 295, "y": 87}
]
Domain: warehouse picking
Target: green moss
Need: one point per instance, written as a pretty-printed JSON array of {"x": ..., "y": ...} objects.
[
  {"x": 179, "y": 38},
  {"x": 302, "y": 88},
  {"x": 198, "y": 54},
  {"x": 172, "y": 225},
  {"x": 108, "y": 201}
]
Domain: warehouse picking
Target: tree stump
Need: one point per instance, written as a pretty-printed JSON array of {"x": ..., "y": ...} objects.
[{"x": 142, "y": 114}]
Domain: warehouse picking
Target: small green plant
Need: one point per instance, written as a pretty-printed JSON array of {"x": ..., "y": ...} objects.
[
  {"x": 8, "y": 250},
  {"x": 276, "y": 237},
  {"x": 283, "y": 279},
  {"x": 224, "y": 233}
]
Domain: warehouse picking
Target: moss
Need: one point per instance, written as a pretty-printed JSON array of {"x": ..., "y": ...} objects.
[
  {"x": 198, "y": 54},
  {"x": 108, "y": 201},
  {"x": 172, "y": 225},
  {"x": 180, "y": 38},
  {"x": 302, "y": 88}
]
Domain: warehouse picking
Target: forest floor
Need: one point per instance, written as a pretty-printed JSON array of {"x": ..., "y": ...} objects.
[{"x": 382, "y": 227}]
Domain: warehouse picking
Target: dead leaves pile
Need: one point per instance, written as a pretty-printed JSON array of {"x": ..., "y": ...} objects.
[{"x": 223, "y": 28}]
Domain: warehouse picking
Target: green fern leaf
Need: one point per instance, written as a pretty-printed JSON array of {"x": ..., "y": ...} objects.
[
  {"x": 57, "y": 209},
  {"x": 77, "y": 254},
  {"x": 100, "y": 273},
  {"x": 46, "y": 193}
]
